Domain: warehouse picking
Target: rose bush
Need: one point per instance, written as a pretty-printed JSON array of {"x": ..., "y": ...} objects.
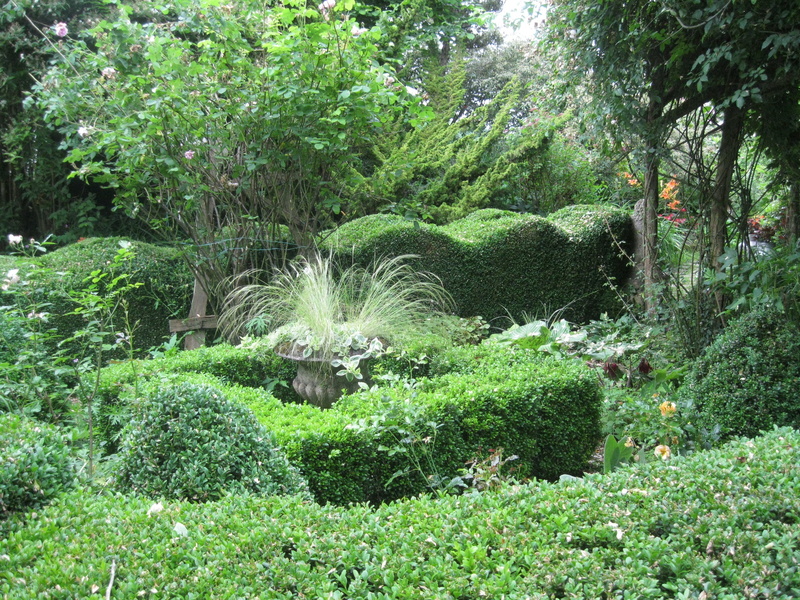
[{"x": 224, "y": 123}]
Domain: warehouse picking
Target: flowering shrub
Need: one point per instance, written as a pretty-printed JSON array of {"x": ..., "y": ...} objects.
[
  {"x": 670, "y": 193},
  {"x": 760, "y": 227},
  {"x": 655, "y": 424},
  {"x": 260, "y": 129},
  {"x": 30, "y": 380}
]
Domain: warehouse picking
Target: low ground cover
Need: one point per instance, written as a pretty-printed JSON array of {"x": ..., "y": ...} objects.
[{"x": 719, "y": 524}]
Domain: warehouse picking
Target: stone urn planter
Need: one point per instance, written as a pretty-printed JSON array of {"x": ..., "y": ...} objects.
[{"x": 317, "y": 382}]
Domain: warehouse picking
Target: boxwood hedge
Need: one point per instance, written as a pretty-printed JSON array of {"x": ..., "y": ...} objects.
[
  {"x": 545, "y": 411},
  {"x": 165, "y": 293},
  {"x": 190, "y": 442},
  {"x": 748, "y": 379},
  {"x": 36, "y": 464},
  {"x": 720, "y": 524},
  {"x": 499, "y": 264},
  {"x": 252, "y": 366}
]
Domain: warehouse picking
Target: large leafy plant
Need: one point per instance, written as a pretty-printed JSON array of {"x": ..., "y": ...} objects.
[{"x": 223, "y": 123}]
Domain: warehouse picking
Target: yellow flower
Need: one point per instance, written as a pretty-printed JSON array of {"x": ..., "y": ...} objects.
[
  {"x": 663, "y": 452},
  {"x": 667, "y": 408}
]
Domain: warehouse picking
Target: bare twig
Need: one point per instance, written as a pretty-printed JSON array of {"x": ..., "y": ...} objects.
[{"x": 111, "y": 580}]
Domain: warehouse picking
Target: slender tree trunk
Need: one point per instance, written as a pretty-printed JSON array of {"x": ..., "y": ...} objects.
[
  {"x": 655, "y": 110},
  {"x": 721, "y": 194},
  {"x": 793, "y": 214},
  {"x": 650, "y": 230},
  {"x": 720, "y": 198}
]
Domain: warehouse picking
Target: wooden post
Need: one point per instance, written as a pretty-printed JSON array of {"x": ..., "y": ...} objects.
[{"x": 198, "y": 322}]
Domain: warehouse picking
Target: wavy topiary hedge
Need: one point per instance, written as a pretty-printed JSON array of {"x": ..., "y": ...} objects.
[
  {"x": 719, "y": 524},
  {"x": 166, "y": 293},
  {"x": 498, "y": 263}
]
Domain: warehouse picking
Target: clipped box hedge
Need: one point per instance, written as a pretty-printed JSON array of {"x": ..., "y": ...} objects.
[
  {"x": 720, "y": 524},
  {"x": 748, "y": 379},
  {"x": 36, "y": 464},
  {"x": 253, "y": 367},
  {"x": 543, "y": 410},
  {"x": 165, "y": 294},
  {"x": 500, "y": 264}
]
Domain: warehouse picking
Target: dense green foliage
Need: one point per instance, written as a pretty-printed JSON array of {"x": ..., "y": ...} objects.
[
  {"x": 12, "y": 336},
  {"x": 395, "y": 442},
  {"x": 498, "y": 154},
  {"x": 165, "y": 292},
  {"x": 189, "y": 442},
  {"x": 502, "y": 264},
  {"x": 544, "y": 410},
  {"x": 722, "y": 523},
  {"x": 749, "y": 379},
  {"x": 35, "y": 464},
  {"x": 251, "y": 366}
]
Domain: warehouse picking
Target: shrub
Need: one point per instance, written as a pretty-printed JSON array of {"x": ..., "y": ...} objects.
[
  {"x": 500, "y": 264},
  {"x": 165, "y": 293},
  {"x": 394, "y": 442},
  {"x": 748, "y": 379},
  {"x": 720, "y": 524},
  {"x": 190, "y": 442},
  {"x": 35, "y": 464},
  {"x": 544, "y": 410},
  {"x": 252, "y": 365}
]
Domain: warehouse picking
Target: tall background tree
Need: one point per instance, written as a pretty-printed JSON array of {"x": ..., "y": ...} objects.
[{"x": 649, "y": 65}]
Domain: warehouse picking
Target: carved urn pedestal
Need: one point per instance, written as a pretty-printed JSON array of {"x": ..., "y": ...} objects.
[{"x": 317, "y": 382}]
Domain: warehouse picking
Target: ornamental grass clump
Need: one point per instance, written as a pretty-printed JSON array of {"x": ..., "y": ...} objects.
[{"x": 315, "y": 307}]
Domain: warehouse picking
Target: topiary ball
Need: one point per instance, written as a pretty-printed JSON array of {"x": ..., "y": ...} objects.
[
  {"x": 190, "y": 443},
  {"x": 748, "y": 379},
  {"x": 35, "y": 464}
]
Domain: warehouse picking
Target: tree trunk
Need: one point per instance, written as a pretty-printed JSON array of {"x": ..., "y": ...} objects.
[
  {"x": 653, "y": 143},
  {"x": 720, "y": 197},
  {"x": 650, "y": 230},
  {"x": 793, "y": 214}
]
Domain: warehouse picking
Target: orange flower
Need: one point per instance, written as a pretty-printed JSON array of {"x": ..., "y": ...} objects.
[
  {"x": 670, "y": 190},
  {"x": 667, "y": 408},
  {"x": 632, "y": 181}
]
